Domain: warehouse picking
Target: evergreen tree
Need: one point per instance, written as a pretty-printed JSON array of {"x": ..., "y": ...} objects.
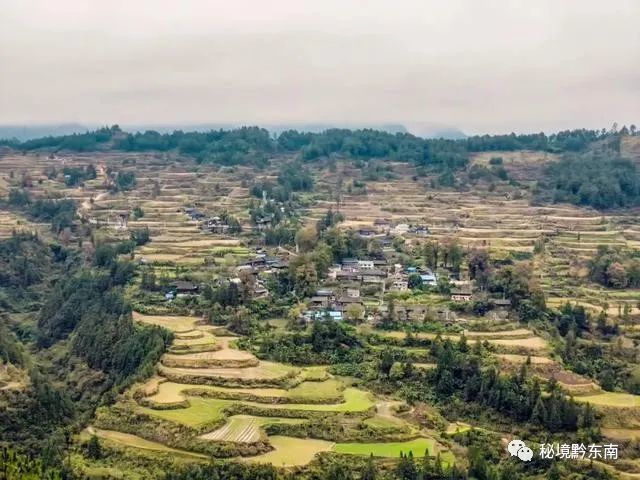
[{"x": 369, "y": 472}]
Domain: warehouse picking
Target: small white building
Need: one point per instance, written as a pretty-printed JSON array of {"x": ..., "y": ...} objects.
[
  {"x": 333, "y": 272},
  {"x": 365, "y": 264},
  {"x": 353, "y": 293},
  {"x": 461, "y": 296},
  {"x": 400, "y": 285},
  {"x": 400, "y": 229}
]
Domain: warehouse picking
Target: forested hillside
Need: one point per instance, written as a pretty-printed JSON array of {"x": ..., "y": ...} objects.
[
  {"x": 591, "y": 171},
  {"x": 81, "y": 345}
]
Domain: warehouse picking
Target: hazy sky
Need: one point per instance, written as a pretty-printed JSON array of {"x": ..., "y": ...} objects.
[{"x": 480, "y": 65}]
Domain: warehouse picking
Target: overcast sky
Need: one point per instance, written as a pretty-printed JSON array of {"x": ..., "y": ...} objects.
[{"x": 480, "y": 65}]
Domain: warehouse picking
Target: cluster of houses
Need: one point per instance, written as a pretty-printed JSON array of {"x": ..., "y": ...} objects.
[
  {"x": 385, "y": 229},
  {"x": 259, "y": 263},
  {"x": 351, "y": 275},
  {"x": 347, "y": 282},
  {"x": 378, "y": 271},
  {"x": 262, "y": 262},
  {"x": 181, "y": 288},
  {"x": 327, "y": 303},
  {"x": 213, "y": 224}
]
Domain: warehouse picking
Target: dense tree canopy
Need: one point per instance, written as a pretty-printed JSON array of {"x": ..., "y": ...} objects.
[{"x": 598, "y": 180}]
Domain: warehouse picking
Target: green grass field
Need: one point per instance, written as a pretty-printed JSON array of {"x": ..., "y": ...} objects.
[
  {"x": 354, "y": 401},
  {"x": 206, "y": 410},
  {"x": 289, "y": 452},
  {"x": 384, "y": 422},
  {"x": 330, "y": 390},
  {"x": 611, "y": 399},
  {"x": 418, "y": 447},
  {"x": 457, "y": 427},
  {"x": 314, "y": 374},
  {"x": 497, "y": 338},
  {"x": 199, "y": 412}
]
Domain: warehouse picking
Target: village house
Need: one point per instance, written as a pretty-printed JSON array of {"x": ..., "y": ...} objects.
[
  {"x": 429, "y": 278},
  {"x": 260, "y": 291},
  {"x": 181, "y": 288},
  {"x": 349, "y": 263},
  {"x": 214, "y": 225},
  {"x": 122, "y": 221},
  {"x": 333, "y": 272},
  {"x": 194, "y": 214},
  {"x": 420, "y": 230},
  {"x": 382, "y": 222},
  {"x": 320, "y": 315},
  {"x": 353, "y": 292},
  {"x": 366, "y": 232},
  {"x": 501, "y": 302},
  {"x": 365, "y": 264},
  {"x": 386, "y": 242},
  {"x": 348, "y": 275},
  {"x": 263, "y": 222},
  {"x": 342, "y": 303},
  {"x": 400, "y": 229},
  {"x": 259, "y": 262},
  {"x": 399, "y": 285},
  {"x": 380, "y": 263},
  {"x": 275, "y": 263},
  {"x": 411, "y": 312},
  {"x": 373, "y": 276},
  {"x": 382, "y": 225},
  {"x": 461, "y": 295}
]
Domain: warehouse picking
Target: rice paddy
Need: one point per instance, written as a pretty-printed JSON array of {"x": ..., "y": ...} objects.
[
  {"x": 418, "y": 447},
  {"x": 328, "y": 390},
  {"x": 128, "y": 440},
  {"x": 245, "y": 428},
  {"x": 291, "y": 452},
  {"x": 524, "y": 339},
  {"x": 178, "y": 324},
  {"x": 611, "y": 399},
  {"x": 202, "y": 411}
]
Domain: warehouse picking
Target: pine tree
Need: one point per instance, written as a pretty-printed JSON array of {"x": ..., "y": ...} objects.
[
  {"x": 406, "y": 469},
  {"x": 370, "y": 472},
  {"x": 94, "y": 449},
  {"x": 554, "y": 472},
  {"x": 539, "y": 414},
  {"x": 588, "y": 418}
]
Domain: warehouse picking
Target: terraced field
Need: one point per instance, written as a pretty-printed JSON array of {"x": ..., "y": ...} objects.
[
  {"x": 292, "y": 452},
  {"x": 203, "y": 377},
  {"x": 502, "y": 221},
  {"x": 611, "y": 399},
  {"x": 520, "y": 339},
  {"x": 128, "y": 440},
  {"x": 170, "y": 392},
  {"x": 245, "y": 428},
  {"x": 202, "y": 411},
  {"x": 419, "y": 447},
  {"x": 196, "y": 405}
]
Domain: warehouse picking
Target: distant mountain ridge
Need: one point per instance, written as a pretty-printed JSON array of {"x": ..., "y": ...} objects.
[
  {"x": 426, "y": 130},
  {"x": 29, "y": 132}
]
